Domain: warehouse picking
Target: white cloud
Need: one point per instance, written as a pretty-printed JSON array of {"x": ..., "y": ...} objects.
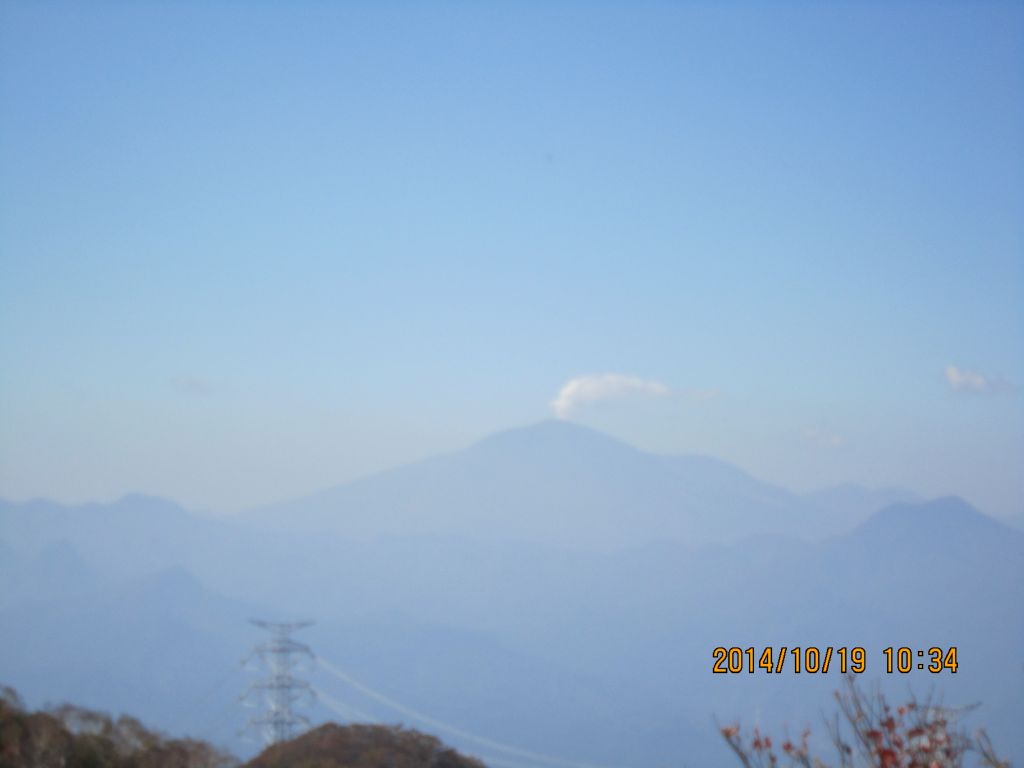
[
  {"x": 588, "y": 389},
  {"x": 972, "y": 382},
  {"x": 963, "y": 380}
]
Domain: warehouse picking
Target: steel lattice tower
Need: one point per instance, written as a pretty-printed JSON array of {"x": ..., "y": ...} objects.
[{"x": 280, "y": 691}]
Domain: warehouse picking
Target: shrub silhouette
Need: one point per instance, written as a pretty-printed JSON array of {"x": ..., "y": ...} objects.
[{"x": 868, "y": 733}]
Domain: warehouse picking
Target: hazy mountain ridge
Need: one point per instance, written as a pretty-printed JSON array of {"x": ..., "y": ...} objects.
[
  {"x": 617, "y": 638},
  {"x": 846, "y": 503},
  {"x": 579, "y": 488}
]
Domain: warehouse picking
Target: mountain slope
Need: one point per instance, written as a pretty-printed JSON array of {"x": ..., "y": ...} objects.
[
  {"x": 557, "y": 484},
  {"x": 848, "y": 505},
  {"x": 588, "y": 654},
  {"x": 558, "y": 590},
  {"x": 156, "y": 647}
]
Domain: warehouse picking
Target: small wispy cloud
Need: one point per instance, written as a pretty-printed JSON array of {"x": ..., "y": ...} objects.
[
  {"x": 823, "y": 438},
  {"x": 701, "y": 395},
  {"x": 605, "y": 386},
  {"x": 193, "y": 386},
  {"x": 971, "y": 382}
]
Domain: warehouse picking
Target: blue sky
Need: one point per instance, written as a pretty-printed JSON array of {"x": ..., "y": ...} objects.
[{"x": 251, "y": 250}]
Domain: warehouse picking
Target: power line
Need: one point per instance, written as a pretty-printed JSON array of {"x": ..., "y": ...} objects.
[
  {"x": 352, "y": 714},
  {"x": 339, "y": 708},
  {"x": 193, "y": 711},
  {"x": 443, "y": 726}
]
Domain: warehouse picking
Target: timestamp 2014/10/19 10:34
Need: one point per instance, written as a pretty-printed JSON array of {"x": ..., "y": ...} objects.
[{"x": 814, "y": 659}]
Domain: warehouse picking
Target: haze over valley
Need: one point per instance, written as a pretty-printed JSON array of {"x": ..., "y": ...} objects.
[{"x": 548, "y": 586}]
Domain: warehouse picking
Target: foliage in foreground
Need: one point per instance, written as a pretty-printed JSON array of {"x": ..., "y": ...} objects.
[
  {"x": 868, "y": 733},
  {"x": 72, "y": 737}
]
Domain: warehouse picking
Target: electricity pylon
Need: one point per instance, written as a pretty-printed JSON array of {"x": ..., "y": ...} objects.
[{"x": 280, "y": 690}]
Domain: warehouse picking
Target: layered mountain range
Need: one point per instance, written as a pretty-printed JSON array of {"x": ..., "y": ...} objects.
[{"x": 549, "y": 587}]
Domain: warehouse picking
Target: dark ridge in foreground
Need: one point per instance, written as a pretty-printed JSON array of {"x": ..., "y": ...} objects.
[
  {"x": 68, "y": 736},
  {"x": 362, "y": 746}
]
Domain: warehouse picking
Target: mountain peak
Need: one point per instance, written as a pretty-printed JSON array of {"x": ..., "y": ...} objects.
[
  {"x": 147, "y": 504},
  {"x": 944, "y": 508},
  {"x": 947, "y": 516},
  {"x": 551, "y": 437}
]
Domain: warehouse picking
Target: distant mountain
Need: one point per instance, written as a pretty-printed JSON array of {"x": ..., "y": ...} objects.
[
  {"x": 134, "y": 533},
  {"x": 134, "y": 536},
  {"x": 943, "y": 554},
  {"x": 557, "y": 484},
  {"x": 154, "y": 647},
  {"x": 552, "y": 484},
  {"x": 587, "y": 655},
  {"x": 549, "y": 587},
  {"x": 949, "y": 521},
  {"x": 56, "y": 571},
  {"x": 848, "y": 504}
]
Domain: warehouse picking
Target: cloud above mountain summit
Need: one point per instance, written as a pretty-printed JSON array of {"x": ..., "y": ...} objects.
[{"x": 606, "y": 386}]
